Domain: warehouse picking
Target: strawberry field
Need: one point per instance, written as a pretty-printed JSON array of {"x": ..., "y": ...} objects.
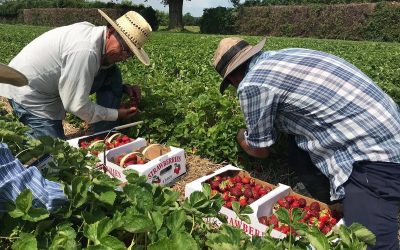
[{"x": 181, "y": 106}]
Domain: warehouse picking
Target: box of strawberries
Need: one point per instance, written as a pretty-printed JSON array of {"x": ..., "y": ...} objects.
[
  {"x": 159, "y": 163},
  {"x": 315, "y": 213},
  {"x": 235, "y": 184},
  {"x": 101, "y": 141}
]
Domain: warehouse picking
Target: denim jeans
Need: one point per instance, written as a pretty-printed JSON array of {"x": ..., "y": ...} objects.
[{"x": 108, "y": 88}]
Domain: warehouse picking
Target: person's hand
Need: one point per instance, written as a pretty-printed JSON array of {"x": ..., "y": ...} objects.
[
  {"x": 134, "y": 93},
  {"x": 125, "y": 113}
]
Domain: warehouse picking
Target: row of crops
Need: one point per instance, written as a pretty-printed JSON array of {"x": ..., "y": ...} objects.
[
  {"x": 181, "y": 106},
  {"x": 181, "y": 101}
]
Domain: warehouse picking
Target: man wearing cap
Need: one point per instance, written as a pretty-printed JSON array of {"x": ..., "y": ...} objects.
[
  {"x": 67, "y": 64},
  {"x": 339, "y": 123}
]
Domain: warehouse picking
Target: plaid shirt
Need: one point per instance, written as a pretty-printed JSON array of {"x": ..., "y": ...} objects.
[
  {"x": 15, "y": 178},
  {"x": 336, "y": 112}
]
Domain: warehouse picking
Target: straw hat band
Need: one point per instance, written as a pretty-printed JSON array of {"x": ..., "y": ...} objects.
[{"x": 227, "y": 57}]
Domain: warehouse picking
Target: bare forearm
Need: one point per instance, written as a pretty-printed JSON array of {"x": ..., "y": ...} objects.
[{"x": 255, "y": 152}]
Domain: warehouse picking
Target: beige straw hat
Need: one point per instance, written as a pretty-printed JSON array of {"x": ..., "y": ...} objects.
[
  {"x": 230, "y": 54},
  {"x": 12, "y": 76},
  {"x": 135, "y": 31}
]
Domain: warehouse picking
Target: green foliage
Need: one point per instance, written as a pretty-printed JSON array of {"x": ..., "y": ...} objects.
[
  {"x": 384, "y": 23},
  {"x": 181, "y": 103},
  {"x": 64, "y": 12},
  {"x": 379, "y": 22},
  {"x": 218, "y": 20}
]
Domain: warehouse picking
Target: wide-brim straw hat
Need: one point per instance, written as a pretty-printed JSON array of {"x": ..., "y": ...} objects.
[
  {"x": 12, "y": 76},
  {"x": 135, "y": 31},
  {"x": 230, "y": 54}
]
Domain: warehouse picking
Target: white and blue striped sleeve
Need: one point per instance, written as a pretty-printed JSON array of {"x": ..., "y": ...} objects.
[{"x": 15, "y": 178}]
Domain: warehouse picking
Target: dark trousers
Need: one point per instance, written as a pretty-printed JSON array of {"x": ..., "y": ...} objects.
[
  {"x": 108, "y": 88},
  {"x": 372, "y": 193}
]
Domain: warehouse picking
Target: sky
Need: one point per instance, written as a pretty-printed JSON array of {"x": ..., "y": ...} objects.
[{"x": 194, "y": 7}]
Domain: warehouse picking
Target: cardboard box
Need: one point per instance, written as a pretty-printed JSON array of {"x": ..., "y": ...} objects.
[
  {"x": 260, "y": 207},
  {"x": 75, "y": 142},
  {"x": 164, "y": 169},
  {"x": 267, "y": 209}
]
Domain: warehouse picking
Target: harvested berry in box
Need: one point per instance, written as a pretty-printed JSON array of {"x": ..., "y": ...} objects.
[
  {"x": 97, "y": 145},
  {"x": 243, "y": 189},
  {"x": 313, "y": 214}
]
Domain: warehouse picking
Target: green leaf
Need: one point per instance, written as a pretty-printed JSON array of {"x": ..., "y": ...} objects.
[
  {"x": 363, "y": 234},
  {"x": 198, "y": 200},
  {"x": 112, "y": 243},
  {"x": 107, "y": 197},
  {"x": 98, "y": 230},
  {"x": 80, "y": 187},
  {"x": 158, "y": 219},
  {"x": 25, "y": 242},
  {"x": 344, "y": 234},
  {"x": 317, "y": 240},
  {"x": 138, "y": 224},
  {"x": 176, "y": 221},
  {"x": 283, "y": 216},
  {"x": 36, "y": 214},
  {"x": 206, "y": 189},
  {"x": 139, "y": 196},
  {"x": 64, "y": 238},
  {"x": 178, "y": 241}
]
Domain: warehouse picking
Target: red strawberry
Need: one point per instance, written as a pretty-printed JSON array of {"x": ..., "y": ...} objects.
[
  {"x": 289, "y": 199},
  {"x": 257, "y": 187},
  {"x": 243, "y": 201},
  {"x": 250, "y": 200},
  {"x": 262, "y": 192},
  {"x": 236, "y": 192},
  {"x": 315, "y": 206},
  {"x": 283, "y": 203},
  {"x": 226, "y": 196},
  {"x": 295, "y": 204},
  {"x": 248, "y": 193},
  {"x": 218, "y": 178},
  {"x": 223, "y": 186},
  {"x": 302, "y": 202},
  {"x": 228, "y": 204},
  {"x": 326, "y": 229},
  {"x": 263, "y": 220},
  {"x": 273, "y": 220},
  {"x": 238, "y": 179},
  {"x": 332, "y": 221},
  {"x": 214, "y": 184},
  {"x": 245, "y": 180}
]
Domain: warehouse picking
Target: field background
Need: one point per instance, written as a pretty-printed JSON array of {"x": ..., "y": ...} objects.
[{"x": 181, "y": 103}]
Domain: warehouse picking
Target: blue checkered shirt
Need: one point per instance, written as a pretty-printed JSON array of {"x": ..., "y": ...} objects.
[
  {"x": 15, "y": 178},
  {"x": 336, "y": 112}
]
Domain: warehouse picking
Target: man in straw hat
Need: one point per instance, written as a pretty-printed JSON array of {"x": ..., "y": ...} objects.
[
  {"x": 338, "y": 120},
  {"x": 67, "y": 64}
]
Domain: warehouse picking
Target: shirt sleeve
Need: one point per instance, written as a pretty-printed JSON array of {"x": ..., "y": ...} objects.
[
  {"x": 77, "y": 75},
  {"x": 259, "y": 107},
  {"x": 15, "y": 178}
]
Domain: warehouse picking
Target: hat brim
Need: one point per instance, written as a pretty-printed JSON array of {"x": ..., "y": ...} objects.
[
  {"x": 139, "y": 53},
  {"x": 12, "y": 76},
  {"x": 239, "y": 61}
]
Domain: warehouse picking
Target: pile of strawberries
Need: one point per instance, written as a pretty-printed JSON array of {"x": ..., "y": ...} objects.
[
  {"x": 116, "y": 142},
  {"x": 244, "y": 189},
  {"x": 132, "y": 159},
  {"x": 324, "y": 218}
]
